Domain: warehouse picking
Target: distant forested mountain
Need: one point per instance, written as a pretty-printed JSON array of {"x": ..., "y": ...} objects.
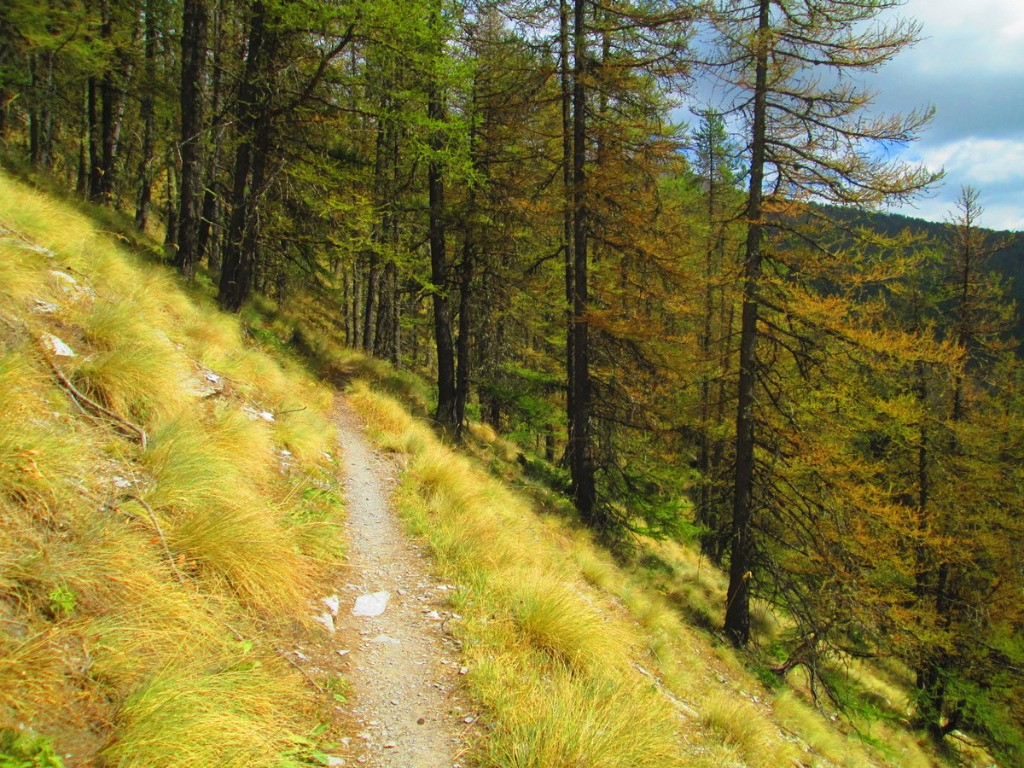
[{"x": 1007, "y": 261}]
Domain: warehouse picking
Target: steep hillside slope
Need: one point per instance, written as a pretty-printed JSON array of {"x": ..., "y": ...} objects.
[
  {"x": 168, "y": 497},
  {"x": 579, "y": 660},
  {"x": 166, "y": 494}
]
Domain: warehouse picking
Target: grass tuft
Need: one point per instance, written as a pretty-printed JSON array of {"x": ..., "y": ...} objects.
[
  {"x": 593, "y": 721},
  {"x": 240, "y": 715},
  {"x": 126, "y": 576},
  {"x": 214, "y": 517}
]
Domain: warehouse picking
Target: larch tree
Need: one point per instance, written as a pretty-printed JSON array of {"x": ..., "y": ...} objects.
[
  {"x": 625, "y": 56},
  {"x": 965, "y": 589},
  {"x": 808, "y": 135},
  {"x": 306, "y": 33},
  {"x": 193, "y": 76}
]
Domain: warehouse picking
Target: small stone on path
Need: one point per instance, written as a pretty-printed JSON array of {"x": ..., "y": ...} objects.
[
  {"x": 332, "y": 603},
  {"x": 372, "y": 604}
]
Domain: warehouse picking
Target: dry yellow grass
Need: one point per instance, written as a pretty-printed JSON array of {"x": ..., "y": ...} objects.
[
  {"x": 577, "y": 660},
  {"x": 551, "y": 618},
  {"x": 102, "y": 647}
]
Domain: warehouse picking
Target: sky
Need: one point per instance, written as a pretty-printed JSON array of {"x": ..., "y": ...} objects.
[{"x": 969, "y": 65}]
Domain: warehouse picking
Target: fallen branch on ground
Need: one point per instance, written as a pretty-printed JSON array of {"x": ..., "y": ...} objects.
[{"x": 80, "y": 398}]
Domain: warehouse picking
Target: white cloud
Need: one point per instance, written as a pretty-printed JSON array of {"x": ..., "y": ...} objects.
[
  {"x": 978, "y": 161},
  {"x": 970, "y": 65},
  {"x": 1006, "y": 216},
  {"x": 985, "y": 35}
]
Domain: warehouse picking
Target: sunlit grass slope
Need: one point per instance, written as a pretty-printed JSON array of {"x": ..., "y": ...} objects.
[
  {"x": 165, "y": 498},
  {"x": 579, "y": 660}
]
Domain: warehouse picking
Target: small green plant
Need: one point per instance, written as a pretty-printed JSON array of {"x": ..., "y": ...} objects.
[
  {"x": 339, "y": 688},
  {"x": 26, "y": 750},
  {"x": 62, "y": 601},
  {"x": 309, "y": 750}
]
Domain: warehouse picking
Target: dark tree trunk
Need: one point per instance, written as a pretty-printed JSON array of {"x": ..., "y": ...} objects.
[
  {"x": 741, "y": 560},
  {"x": 231, "y": 292},
  {"x": 383, "y": 280},
  {"x": 34, "y": 113},
  {"x": 148, "y": 113},
  {"x": 445, "y": 415},
  {"x": 82, "y": 175},
  {"x": 171, "y": 206},
  {"x": 243, "y": 235},
  {"x": 385, "y": 333},
  {"x": 40, "y": 115},
  {"x": 250, "y": 163},
  {"x": 103, "y": 173},
  {"x": 465, "y": 362},
  {"x": 567, "y": 209},
  {"x": 118, "y": 97},
  {"x": 346, "y": 306},
  {"x": 193, "y": 58},
  {"x": 208, "y": 244},
  {"x": 370, "y": 304},
  {"x": 581, "y": 463},
  {"x": 95, "y": 141}
]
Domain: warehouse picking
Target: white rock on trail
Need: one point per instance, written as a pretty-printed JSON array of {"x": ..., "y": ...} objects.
[
  {"x": 371, "y": 605},
  {"x": 333, "y": 603}
]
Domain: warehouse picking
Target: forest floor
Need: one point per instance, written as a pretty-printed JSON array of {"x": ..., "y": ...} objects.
[{"x": 401, "y": 667}]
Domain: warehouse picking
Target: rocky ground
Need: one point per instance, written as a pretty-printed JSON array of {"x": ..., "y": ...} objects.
[{"x": 387, "y": 637}]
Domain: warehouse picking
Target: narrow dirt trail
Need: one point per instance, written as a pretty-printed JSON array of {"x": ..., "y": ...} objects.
[{"x": 402, "y": 664}]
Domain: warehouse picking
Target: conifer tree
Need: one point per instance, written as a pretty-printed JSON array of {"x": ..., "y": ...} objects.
[
  {"x": 715, "y": 160},
  {"x": 806, "y": 137},
  {"x": 624, "y": 56},
  {"x": 193, "y": 75}
]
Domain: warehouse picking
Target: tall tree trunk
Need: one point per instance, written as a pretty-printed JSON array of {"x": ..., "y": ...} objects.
[
  {"x": 237, "y": 283},
  {"x": 207, "y": 243},
  {"x": 95, "y": 141},
  {"x": 370, "y": 303},
  {"x": 383, "y": 280},
  {"x": 445, "y": 415},
  {"x": 148, "y": 114},
  {"x": 193, "y": 71},
  {"x": 108, "y": 101},
  {"x": 250, "y": 163},
  {"x": 465, "y": 362},
  {"x": 741, "y": 560},
  {"x": 82, "y": 176},
  {"x": 119, "y": 104},
  {"x": 385, "y": 335},
  {"x": 581, "y": 464},
  {"x": 567, "y": 210},
  {"x": 346, "y": 305},
  {"x": 40, "y": 115},
  {"x": 357, "y": 296}
]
